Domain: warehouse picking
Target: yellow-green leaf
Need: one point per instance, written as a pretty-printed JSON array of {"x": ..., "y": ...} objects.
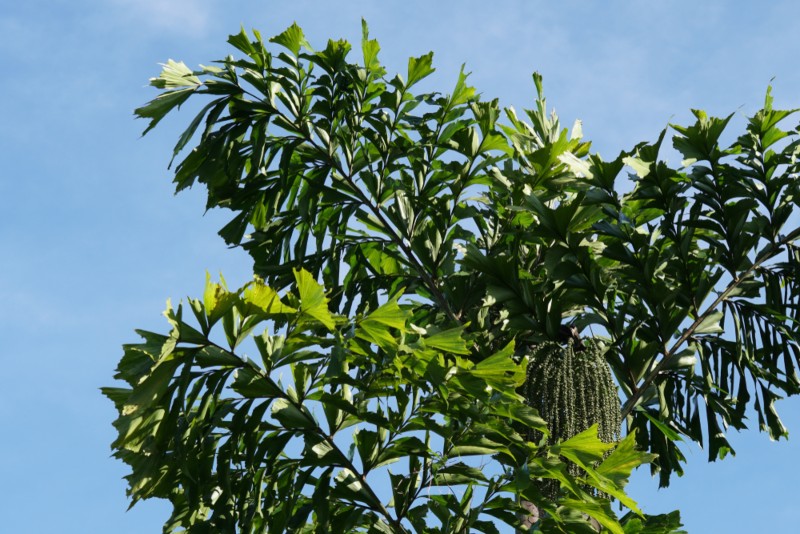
[
  {"x": 217, "y": 300},
  {"x": 265, "y": 299},
  {"x": 584, "y": 448},
  {"x": 292, "y": 38},
  {"x": 623, "y": 460},
  {"x": 419, "y": 68},
  {"x": 313, "y": 301}
]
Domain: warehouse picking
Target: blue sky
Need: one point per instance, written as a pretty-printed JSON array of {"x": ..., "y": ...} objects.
[{"x": 94, "y": 241}]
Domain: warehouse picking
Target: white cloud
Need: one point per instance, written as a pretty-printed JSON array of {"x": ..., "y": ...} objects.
[{"x": 184, "y": 17}]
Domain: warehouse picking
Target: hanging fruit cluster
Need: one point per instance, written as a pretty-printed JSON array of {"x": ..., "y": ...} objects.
[{"x": 572, "y": 388}]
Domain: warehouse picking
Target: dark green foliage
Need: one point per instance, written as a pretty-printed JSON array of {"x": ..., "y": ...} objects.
[
  {"x": 487, "y": 228},
  {"x": 338, "y": 425},
  {"x": 692, "y": 275},
  {"x": 653, "y": 524}
]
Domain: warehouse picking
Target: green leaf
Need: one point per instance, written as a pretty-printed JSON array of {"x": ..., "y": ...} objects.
[
  {"x": 585, "y": 448},
  {"x": 368, "y": 446},
  {"x": 409, "y": 446},
  {"x": 521, "y": 413},
  {"x": 264, "y": 299},
  {"x": 293, "y": 39},
  {"x": 501, "y": 369},
  {"x": 666, "y": 430},
  {"x": 419, "y": 68},
  {"x": 374, "y": 328},
  {"x": 241, "y": 41},
  {"x": 466, "y": 141},
  {"x": 653, "y": 524},
  {"x": 324, "y": 453},
  {"x": 291, "y": 416},
  {"x": 495, "y": 141},
  {"x": 450, "y": 341},
  {"x": 211, "y": 355},
  {"x": 369, "y": 48},
  {"x": 151, "y": 390},
  {"x": 623, "y": 460},
  {"x": 458, "y": 473},
  {"x": 158, "y": 108},
  {"x": 186, "y": 136},
  {"x": 252, "y": 384},
  {"x": 699, "y": 142},
  {"x": 313, "y": 301},
  {"x": 601, "y": 512},
  {"x": 462, "y": 93},
  {"x": 350, "y": 486},
  {"x": 389, "y": 314},
  {"x": 217, "y": 300},
  {"x": 710, "y": 324}
]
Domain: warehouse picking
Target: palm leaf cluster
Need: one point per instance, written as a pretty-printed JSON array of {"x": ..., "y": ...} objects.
[{"x": 498, "y": 225}]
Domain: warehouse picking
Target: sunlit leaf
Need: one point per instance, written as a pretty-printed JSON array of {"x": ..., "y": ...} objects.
[
  {"x": 313, "y": 301},
  {"x": 265, "y": 299},
  {"x": 419, "y": 68},
  {"x": 292, "y": 38}
]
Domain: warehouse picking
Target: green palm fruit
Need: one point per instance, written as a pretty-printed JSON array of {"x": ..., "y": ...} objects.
[{"x": 572, "y": 388}]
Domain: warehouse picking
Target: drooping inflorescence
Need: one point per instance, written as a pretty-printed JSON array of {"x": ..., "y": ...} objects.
[{"x": 572, "y": 390}]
